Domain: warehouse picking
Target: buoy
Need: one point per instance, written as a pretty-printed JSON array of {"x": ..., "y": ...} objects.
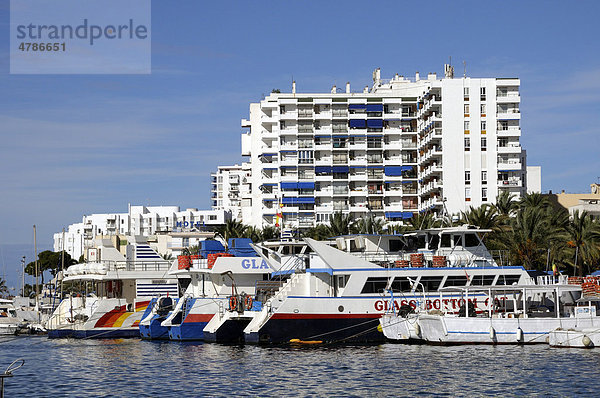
[
  {"x": 492, "y": 333},
  {"x": 298, "y": 341},
  {"x": 379, "y": 328},
  {"x": 587, "y": 341},
  {"x": 519, "y": 334}
]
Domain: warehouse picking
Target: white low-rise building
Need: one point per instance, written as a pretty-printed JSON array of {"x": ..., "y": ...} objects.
[{"x": 144, "y": 221}]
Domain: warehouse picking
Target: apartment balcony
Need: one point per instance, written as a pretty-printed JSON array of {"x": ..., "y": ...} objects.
[
  {"x": 323, "y": 193},
  {"x": 509, "y": 114},
  {"x": 289, "y": 115},
  {"x": 288, "y": 146},
  {"x": 358, "y": 192},
  {"x": 264, "y": 119},
  {"x": 512, "y": 131},
  {"x": 511, "y": 182},
  {"x": 508, "y": 97},
  {"x": 339, "y": 114},
  {"x": 340, "y": 192},
  {"x": 337, "y": 207},
  {"x": 510, "y": 148},
  {"x": 289, "y": 162},
  {"x": 323, "y": 146},
  {"x": 305, "y": 114},
  {"x": 324, "y": 208},
  {"x": 509, "y": 164},
  {"x": 358, "y": 177},
  {"x": 357, "y": 162},
  {"x": 359, "y": 208},
  {"x": 323, "y": 162},
  {"x": 288, "y": 131},
  {"x": 322, "y": 115},
  {"x": 359, "y": 146},
  {"x": 326, "y": 177},
  {"x": 394, "y": 145}
]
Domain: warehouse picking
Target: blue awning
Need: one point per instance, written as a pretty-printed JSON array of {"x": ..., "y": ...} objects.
[
  {"x": 407, "y": 168},
  {"x": 398, "y": 214},
  {"x": 357, "y": 123},
  {"x": 374, "y": 167},
  {"x": 289, "y": 185},
  {"x": 322, "y": 169},
  {"x": 374, "y": 107},
  {"x": 288, "y": 167},
  {"x": 306, "y": 185},
  {"x": 269, "y": 184},
  {"x": 393, "y": 171},
  {"x": 340, "y": 136},
  {"x": 358, "y": 167},
  {"x": 288, "y": 151},
  {"x": 393, "y": 120},
  {"x": 322, "y": 136},
  {"x": 375, "y": 123},
  {"x": 268, "y": 200},
  {"x": 294, "y": 201},
  {"x": 374, "y": 136},
  {"x": 269, "y": 168},
  {"x": 340, "y": 169},
  {"x": 407, "y": 182},
  {"x": 357, "y": 106}
]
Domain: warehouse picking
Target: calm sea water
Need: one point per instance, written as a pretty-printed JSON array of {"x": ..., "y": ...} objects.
[{"x": 125, "y": 368}]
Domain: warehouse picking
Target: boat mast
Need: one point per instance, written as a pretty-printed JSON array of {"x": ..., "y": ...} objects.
[{"x": 37, "y": 287}]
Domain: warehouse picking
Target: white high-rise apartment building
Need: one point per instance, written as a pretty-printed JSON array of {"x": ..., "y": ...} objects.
[
  {"x": 230, "y": 190},
  {"x": 400, "y": 147}
]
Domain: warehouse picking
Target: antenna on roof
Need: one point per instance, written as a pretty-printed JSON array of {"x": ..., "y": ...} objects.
[{"x": 465, "y": 69}]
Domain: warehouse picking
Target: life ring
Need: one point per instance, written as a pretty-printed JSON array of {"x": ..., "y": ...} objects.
[
  {"x": 248, "y": 302},
  {"x": 233, "y": 303}
]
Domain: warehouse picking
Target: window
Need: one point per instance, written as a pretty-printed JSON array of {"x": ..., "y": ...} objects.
[
  {"x": 482, "y": 280},
  {"x": 466, "y": 109},
  {"x": 471, "y": 240},
  {"x": 483, "y": 125},
  {"x": 467, "y": 125},
  {"x": 484, "y": 177},
  {"x": 503, "y": 125},
  {"x": 467, "y": 194},
  {"x": 502, "y": 142},
  {"x": 484, "y": 194},
  {"x": 483, "y": 144},
  {"x": 401, "y": 284},
  {"x": 508, "y": 279},
  {"x": 445, "y": 242},
  {"x": 467, "y": 144},
  {"x": 467, "y": 177},
  {"x": 282, "y": 124},
  {"x": 483, "y": 110},
  {"x": 374, "y": 285},
  {"x": 482, "y": 93},
  {"x": 466, "y": 91},
  {"x": 430, "y": 283},
  {"x": 455, "y": 281}
]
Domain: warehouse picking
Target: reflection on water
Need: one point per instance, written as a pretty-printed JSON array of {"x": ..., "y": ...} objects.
[{"x": 142, "y": 368}]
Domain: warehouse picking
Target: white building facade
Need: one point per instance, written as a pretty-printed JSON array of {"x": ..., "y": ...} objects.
[
  {"x": 144, "y": 221},
  {"x": 400, "y": 147},
  {"x": 230, "y": 190}
]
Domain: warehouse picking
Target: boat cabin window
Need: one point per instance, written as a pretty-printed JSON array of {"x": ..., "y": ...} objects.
[
  {"x": 457, "y": 240},
  {"x": 452, "y": 280},
  {"x": 342, "y": 280},
  {"x": 445, "y": 242},
  {"x": 396, "y": 245},
  {"x": 375, "y": 285},
  {"x": 434, "y": 241},
  {"x": 421, "y": 242},
  {"x": 482, "y": 280},
  {"x": 430, "y": 283},
  {"x": 508, "y": 279},
  {"x": 401, "y": 284},
  {"x": 471, "y": 240}
]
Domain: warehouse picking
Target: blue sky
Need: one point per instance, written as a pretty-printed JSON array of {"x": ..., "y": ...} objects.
[{"x": 79, "y": 144}]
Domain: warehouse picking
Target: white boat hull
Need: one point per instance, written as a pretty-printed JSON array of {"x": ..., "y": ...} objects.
[
  {"x": 397, "y": 328},
  {"x": 478, "y": 330},
  {"x": 575, "y": 338}
]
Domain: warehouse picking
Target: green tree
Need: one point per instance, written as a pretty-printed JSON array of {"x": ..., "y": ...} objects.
[
  {"x": 506, "y": 205},
  {"x": 166, "y": 256},
  {"x": 484, "y": 216},
  {"x": 534, "y": 199},
  {"x": 369, "y": 225},
  {"x": 190, "y": 251},
  {"x": 340, "y": 224},
  {"x": 49, "y": 261},
  {"x": 423, "y": 221},
  {"x": 583, "y": 237},
  {"x": 3, "y": 288},
  {"x": 270, "y": 233}
]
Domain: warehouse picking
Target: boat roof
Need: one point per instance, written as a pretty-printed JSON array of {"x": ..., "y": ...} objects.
[{"x": 461, "y": 228}]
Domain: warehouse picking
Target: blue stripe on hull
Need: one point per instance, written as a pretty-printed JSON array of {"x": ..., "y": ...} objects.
[
  {"x": 94, "y": 333},
  {"x": 353, "y": 330}
]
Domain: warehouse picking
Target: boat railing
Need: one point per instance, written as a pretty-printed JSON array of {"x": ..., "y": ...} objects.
[
  {"x": 137, "y": 265},
  {"x": 455, "y": 258}
]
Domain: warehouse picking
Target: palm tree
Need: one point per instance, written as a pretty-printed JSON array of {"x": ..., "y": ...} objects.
[
  {"x": 3, "y": 287},
  {"x": 369, "y": 225},
  {"x": 166, "y": 256},
  {"x": 268, "y": 232},
  {"x": 529, "y": 237},
  {"x": 190, "y": 251},
  {"x": 231, "y": 229},
  {"x": 340, "y": 224},
  {"x": 254, "y": 233},
  {"x": 534, "y": 199},
  {"x": 484, "y": 216},
  {"x": 423, "y": 221},
  {"x": 583, "y": 235},
  {"x": 505, "y": 205},
  {"x": 320, "y": 232}
]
